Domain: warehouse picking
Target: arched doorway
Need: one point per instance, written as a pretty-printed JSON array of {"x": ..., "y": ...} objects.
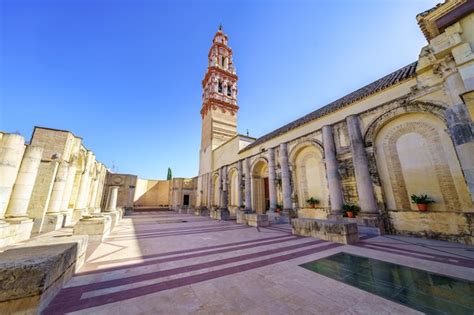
[{"x": 260, "y": 193}]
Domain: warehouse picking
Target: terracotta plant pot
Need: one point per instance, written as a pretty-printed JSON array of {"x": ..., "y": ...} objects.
[
  {"x": 422, "y": 206},
  {"x": 350, "y": 214},
  {"x": 312, "y": 206}
]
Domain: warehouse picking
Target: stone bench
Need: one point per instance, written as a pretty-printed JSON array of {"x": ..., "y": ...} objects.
[
  {"x": 31, "y": 274},
  {"x": 334, "y": 231}
]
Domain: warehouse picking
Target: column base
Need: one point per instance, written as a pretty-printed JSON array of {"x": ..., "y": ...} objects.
[
  {"x": 97, "y": 227},
  {"x": 20, "y": 228},
  {"x": 68, "y": 213},
  {"x": 222, "y": 214},
  {"x": 76, "y": 215},
  {"x": 257, "y": 220},
  {"x": 52, "y": 222},
  {"x": 115, "y": 217},
  {"x": 241, "y": 216}
]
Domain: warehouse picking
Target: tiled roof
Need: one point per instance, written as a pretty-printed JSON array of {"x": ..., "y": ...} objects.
[{"x": 402, "y": 74}]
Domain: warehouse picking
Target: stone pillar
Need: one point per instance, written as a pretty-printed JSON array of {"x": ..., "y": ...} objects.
[
  {"x": 248, "y": 181},
  {"x": 221, "y": 188},
  {"x": 272, "y": 179},
  {"x": 83, "y": 191},
  {"x": 365, "y": 190},
  {"x": 461, "y": 128},
  {"x": 12, "y": 147},
  {"x": 225, "y": 195},
  {"x": 285, "y": 180},
  {"x": 112, "y": 199},
  {"x": 68, "y": 188},
  {"x": 332, "y": 172},
  {"x": 239, "y": 184},
  {"x": 21, "y": 193},
  {"x": 95, "y": 188},
  {"x": 210, "y": 190},
  {"x": 59, "y": 186},
  {"x": 54, "y": 218}
]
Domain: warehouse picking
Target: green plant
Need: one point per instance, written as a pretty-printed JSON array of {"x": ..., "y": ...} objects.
[
  {"x": 350, "y": 207},
  {"x": 421, "y": 199},
  {"x": 312, "y": 201}
]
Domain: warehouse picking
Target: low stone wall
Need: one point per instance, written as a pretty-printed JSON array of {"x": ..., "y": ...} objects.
[
  {"x": 446, "y": 226},
  {"x": 96, "y": 227},
  {"x": 334, "y": 231},
  {"x": 256, "y": 220},
  {"x": 33, "y": 273}
]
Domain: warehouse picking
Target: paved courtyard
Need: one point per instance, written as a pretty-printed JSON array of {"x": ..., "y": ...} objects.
[{"x": 159, "y": 262}]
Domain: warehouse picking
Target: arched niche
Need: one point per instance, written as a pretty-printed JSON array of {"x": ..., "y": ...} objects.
[
  {"x": 415, "y": 155},
  {"x": 260, "y": 192},
  {"x": 309, "y": 173}
]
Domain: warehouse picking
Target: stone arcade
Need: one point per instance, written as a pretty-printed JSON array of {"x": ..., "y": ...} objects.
[{"x": 410, "y": 132}]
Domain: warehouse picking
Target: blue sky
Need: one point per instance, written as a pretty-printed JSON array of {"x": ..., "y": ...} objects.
[{"x": 126, "y": 75}]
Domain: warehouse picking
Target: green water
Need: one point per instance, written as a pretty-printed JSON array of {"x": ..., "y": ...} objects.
[{"x": 421, "y": 290}]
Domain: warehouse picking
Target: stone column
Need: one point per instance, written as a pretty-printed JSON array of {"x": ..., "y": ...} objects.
[
  {"x": 239, "y": 184},
  {"x": 83, "y": 192},
  {"x": 334, "y": 183},
  {"x": 56, "y": 198},
  {"x": 21, "y": 193},
  {"x": 461, "y": 128},
  {"x": 365, "y": 190},
  {"x": 68, "y": 188},
  {"x": 272, "y": 179},
  {"x": 95, "y": 188},
  {"x": 248, "y": 181},
  {"x": 225, "y": 195},
  {"x": 221, "y": 188},
  {"x": 12, "y": 147},
  {"x": 210, "y": 189},
  {"x": 285, "y": 182},
  {"x": 112, "y": 199}
]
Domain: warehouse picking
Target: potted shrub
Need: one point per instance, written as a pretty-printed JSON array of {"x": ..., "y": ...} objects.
[
  {"x": 350, "y": 210},
  {"x": 312, "y": 202},
  {"x": 422, "y": 201},
  {"x": 278, "y": 208}
]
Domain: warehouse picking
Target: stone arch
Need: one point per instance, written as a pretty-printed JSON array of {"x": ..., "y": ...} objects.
[
  {"x": 416, "y": 156},
  {"x": 259, "y": 186},
  {"x": 403, "y": 109},
  {"x": 309, "y": 173},
  {"x": 233, "y": 177}
]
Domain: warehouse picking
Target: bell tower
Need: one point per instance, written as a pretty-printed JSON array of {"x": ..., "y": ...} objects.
[{"x": 219, "y": 100}]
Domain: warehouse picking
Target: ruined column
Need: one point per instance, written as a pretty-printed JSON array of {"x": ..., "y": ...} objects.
[
  {"x": 272, "y": 179},
  {"x": 21, "y": 193},
  {"x": 210, "y": 191},
  {"x": 461, "y": 128},
  {"x": 248, "y": 181},
  {"x": 95, "y": 188},
  {"x": 83, "y": 192},
  {"x": 365, "y": 190},
  {"x": 239, "y": 184},
  {"x": 68, "y": 188},
  {"x": 285, "y": 179},
  {"x": 12, "y": 147},
  {"x": 112, "y": 199},
  {"x": 225, "y": 195},
  {"x": 56, "y": 198},
  {"x": 334, "y": 183}
]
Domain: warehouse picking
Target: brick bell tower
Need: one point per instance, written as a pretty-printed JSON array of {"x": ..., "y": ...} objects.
[{"x": 219, "y": 100}]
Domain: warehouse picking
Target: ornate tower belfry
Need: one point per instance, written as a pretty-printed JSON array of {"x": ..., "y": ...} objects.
[{"x": 219, "y": 97}]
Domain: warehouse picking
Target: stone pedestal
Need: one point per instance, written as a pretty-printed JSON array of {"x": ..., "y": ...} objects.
[
  {"x": 241, "y": 217},
  {"x": 273, "y": 217},
  {"x": 20, "y": 229},
  {"x": 115, "y": 217},
  {"x": 334, "y": 231},
  {"x": 257, "y": 220},
  {"x": 33, "y": 273},
  {"x": 52, "y": 222},
  {"x": 96, "y": 227},
  {"x": 222, "y": 214}
]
